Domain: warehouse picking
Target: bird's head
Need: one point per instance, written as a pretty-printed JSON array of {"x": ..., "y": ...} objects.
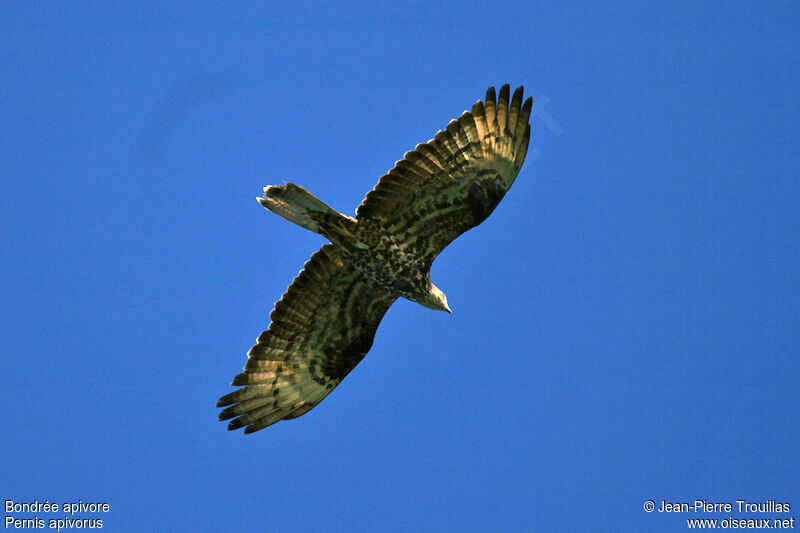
[{"x": 435, "y": 299}]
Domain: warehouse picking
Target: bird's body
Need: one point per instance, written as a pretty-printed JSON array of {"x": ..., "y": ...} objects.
[
  {"x": 385, "y": 258},
  {"x": 326, "y": 322},
  {"x": 371, "y": 245}
]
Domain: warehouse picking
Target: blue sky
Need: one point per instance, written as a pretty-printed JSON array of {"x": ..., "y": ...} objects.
[{"x": 625, "y": 325}]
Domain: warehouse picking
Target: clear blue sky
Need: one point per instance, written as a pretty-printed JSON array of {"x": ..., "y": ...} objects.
[{"x": 625, "y": 327}]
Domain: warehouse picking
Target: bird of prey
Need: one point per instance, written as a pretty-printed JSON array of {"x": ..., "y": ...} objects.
[{"x": 325, "y": 323}]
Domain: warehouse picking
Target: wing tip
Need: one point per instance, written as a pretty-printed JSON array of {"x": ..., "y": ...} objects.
[
  {"x": 491, "y": 95},
  {"x": 238, "y": 381},
  {"x": 502, "y": 96},
  {"x": 229, "y": 399},
  {"x": 235, "y": 424},
  {"x": 225, "y": 415}
]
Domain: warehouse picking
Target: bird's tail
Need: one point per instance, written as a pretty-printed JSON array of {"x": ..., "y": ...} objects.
[{"x": 297, "y": 205}]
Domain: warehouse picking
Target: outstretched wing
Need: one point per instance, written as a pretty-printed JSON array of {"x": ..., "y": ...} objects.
[
  {"x": 454, "y": 181},
  {"x": 321, "y": 328}
]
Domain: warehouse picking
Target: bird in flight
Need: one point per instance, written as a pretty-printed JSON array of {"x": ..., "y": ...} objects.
[{"x": 325, "y": 322}]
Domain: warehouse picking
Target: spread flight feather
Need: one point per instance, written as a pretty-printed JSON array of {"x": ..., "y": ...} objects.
[{"x": 326, "y": 321}]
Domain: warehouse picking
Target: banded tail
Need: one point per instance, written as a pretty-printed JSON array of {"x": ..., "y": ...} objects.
[{"x": 297, "y": 205}]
